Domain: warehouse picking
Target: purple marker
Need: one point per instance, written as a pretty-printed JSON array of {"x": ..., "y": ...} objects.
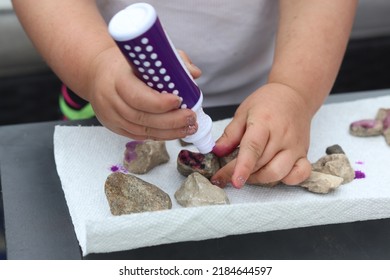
[{"x": 143, "y": 41}]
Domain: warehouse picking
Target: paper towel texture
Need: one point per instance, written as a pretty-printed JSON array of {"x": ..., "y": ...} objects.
[{"x": 84, "y": 156}]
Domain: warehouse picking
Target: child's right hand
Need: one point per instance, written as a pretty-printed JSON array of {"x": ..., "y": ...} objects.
[{"x": 126, "y": 106}]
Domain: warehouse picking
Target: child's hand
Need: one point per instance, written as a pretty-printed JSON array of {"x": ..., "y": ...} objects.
[
  {"x": 272, "y": 128},
  {"x": 125, "y": 105}
]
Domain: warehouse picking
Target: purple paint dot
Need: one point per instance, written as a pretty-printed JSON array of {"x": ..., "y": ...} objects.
[
  {"x": 114, "y": 168},
  {"x": 359, "y": 162},
  {"x": 359, "y": 174},
  {"x": 118, "y": 168}
]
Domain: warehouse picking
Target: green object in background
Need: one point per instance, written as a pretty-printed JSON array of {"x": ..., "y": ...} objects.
[{"x": 71, "y": 114}]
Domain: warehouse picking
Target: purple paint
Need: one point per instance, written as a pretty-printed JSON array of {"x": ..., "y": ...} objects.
[
  {"x": 365, "y": 123},
  {"x": 114, "y": 168},
  {"x": 192, "y": 159},
  {"x": 359, "y": 162},
  {"x": 118, "y": 168},
  {"x": 130, "y": 153},
  {"x": 359, "y": 174}
]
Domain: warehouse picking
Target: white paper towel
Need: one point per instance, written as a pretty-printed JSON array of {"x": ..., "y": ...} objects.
[{"x": 84, "y": 156}]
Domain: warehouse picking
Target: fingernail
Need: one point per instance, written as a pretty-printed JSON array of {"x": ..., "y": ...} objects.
[
  {"x": 191, "y": 129},
  {"x": 218, "y": 182},
  {"x": 240, "y": 182},
  {"x": 191, "y": 121},
  {"x": 194, "y": 67}
]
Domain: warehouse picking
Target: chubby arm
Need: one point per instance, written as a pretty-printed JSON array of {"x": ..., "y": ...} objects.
[
  {"x": 72, "y": 37},
  {"x": 69, "y": 35},
  {"x": 311, "y": 41},
  {"x": 272, "y": 126}
]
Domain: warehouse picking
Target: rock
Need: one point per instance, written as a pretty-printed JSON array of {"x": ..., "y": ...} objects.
[
  {"x": 197, "y": 190},
  {"x": 189, "y": 162},
  {"x": 365, "y": 128},
  {"x": 321, "y": 183},
  {"x": 335, "y": 149},
  {"x": 226, "y": 159},
  {"x": 386, "y": 134},
  {"x": 127, "y": 194},
  {"x": 142, "y": 156},
  {"x": 384, "y": 114},
  {"x": 337, "y": 165}
]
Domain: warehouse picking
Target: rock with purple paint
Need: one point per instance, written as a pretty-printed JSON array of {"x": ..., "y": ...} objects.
[
  {"x": 365, "y": 128},
  {"x": 142, "y": 156},
  {"x": 378, "y": 126},
  {"x": 196, "y": 190},
  {"x": 206, "y": 164},
  {"x": 128, "y": 194},
  {"x": 189, "y": 162}
]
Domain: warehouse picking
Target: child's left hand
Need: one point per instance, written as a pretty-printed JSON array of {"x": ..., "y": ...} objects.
[{"x": 272, "y": 128}]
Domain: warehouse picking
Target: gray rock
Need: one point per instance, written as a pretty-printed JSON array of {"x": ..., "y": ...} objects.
[
  {"x": 337, "y": 165},
  {"x": 335, "y": 149},
  {"x": 321, "y": 183},
  {"x": 189, "y": 162},
  {"x": 127, "y": 194},
  {"x": 197, "y": 190},
  {"x": 142, "y": 156}
]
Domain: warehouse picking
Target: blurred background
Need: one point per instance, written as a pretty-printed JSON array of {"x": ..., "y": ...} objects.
[{"x": 29, "y": 90}]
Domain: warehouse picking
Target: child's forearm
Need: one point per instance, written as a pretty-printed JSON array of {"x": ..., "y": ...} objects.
[
  {"x": 311, "y": 41},
  {"x": 69, "y": 34}
]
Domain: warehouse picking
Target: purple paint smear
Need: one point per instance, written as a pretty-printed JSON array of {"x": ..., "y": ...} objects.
[
  {"x": 365, "y": 123},
  {"x": 130, "y": 153},
  {"x": 359, "y": 162},
  {"x": 359, "y": 174},
  {"x": 118, "y": 168}
]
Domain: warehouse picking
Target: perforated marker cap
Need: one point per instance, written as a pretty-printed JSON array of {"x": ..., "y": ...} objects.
[{"x": 132, "y": 22}]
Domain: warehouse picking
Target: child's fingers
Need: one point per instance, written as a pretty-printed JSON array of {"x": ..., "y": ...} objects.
[
  {"x": 300, "y": 172},
  {"x": 275, "y": 170},
  {"x": 194, "y": 70},
  {"x": 230, "y": 138},
  {"x": 223, "y": 176},
  {"x": 252, "y": 147}
]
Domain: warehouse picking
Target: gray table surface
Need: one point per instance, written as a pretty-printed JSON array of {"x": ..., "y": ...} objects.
[{"x": 38, "y": 224}]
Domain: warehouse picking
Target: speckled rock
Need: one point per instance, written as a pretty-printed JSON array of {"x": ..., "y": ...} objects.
[
  {"x": 127, "y": 194},
  {"x": 142, "y": 156},
  {"x": 189, "y": 162},
  {"x": 321, "y": 183},
  {"x": 197, "y": 190},
  {"x": 337, "y": 165}
]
